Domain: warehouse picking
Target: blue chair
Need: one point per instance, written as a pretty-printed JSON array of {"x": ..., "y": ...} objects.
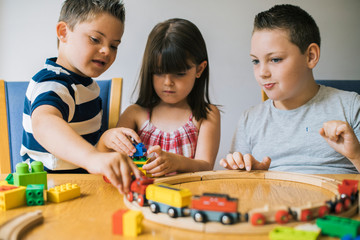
[
  {"x": 12, "y": 95},
  {"x": 347, "y": 85}
]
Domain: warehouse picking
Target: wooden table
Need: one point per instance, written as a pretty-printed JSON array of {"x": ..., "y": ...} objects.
[{"x": 89, "y": 217}]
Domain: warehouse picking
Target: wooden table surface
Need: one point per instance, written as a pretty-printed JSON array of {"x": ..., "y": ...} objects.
[{"x": 89, "y": 217}]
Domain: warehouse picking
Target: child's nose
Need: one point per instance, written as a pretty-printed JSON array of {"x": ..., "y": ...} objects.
[
  {"x": 105, "y": 50},
  {"x": 264, "y": 71},
  {"x": 168, "y": 80}
]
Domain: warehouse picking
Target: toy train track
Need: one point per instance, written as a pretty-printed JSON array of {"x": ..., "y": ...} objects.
[{"x": 274, "y": 214}]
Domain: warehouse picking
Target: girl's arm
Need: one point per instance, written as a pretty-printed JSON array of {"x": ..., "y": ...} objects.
[{"x": 206, "y": 151}]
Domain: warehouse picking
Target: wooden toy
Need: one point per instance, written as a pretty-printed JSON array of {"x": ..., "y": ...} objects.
[
  {"x": 165, "y": 198},
  {"x": 138, "y": 190}
]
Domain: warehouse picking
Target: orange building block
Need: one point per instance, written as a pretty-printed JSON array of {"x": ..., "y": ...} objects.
[{"x": 127, "y": 222}]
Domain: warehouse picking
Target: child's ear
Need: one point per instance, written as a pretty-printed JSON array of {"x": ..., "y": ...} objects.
[
  {"x": 200, "y": 68},
  {"x": 313, "y": 55},
  {"x": 61, "y": 31}
]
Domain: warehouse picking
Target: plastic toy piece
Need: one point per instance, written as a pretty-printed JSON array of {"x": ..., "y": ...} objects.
[
  {"x": 63, "y": 192},
  {"x": 349, "y": 237},
  {"x": 286, "y": 233},
  {"x": 35, "y": 194},
  {"x": 214, "y": 207},
  {"x": 12, "y": 196},
  {"x": 163, "y": 197},
  {"x": 338, "y": 226},
  {"x": 127, "y": 223},
  {"x": 15, "y": 228},
  {"x": 22, "y": 176},
  {"x": 10, "y": 179},
  {"x": 140, "y": 151},
  {"x": 138, "y": 190},
  {"x": 260, "y": 216}
]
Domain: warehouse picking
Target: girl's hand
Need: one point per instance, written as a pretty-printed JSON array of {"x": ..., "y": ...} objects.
[
  {"x": 116, "y": 167},
  {"x": 247, "y": 161},
  {"x": 117, "y": 139},
  {"x": 161, "y": 163},
  {"x": 341, "y": 137}
]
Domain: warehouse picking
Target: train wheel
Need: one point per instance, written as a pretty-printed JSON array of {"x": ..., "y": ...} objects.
[
  {"x": 347, "y": 203},
  {"x": 199, "y": 217},
  {"x": 324, "y": 210},
  {"x": 154, "y": 208},
  {"x": 226, "y": 219},
  {"x": 172, "y": 212},
  {"x": 141, "y": 200},
  {"x": 130, "y": 197},
  {"x": 257, "y": 219},
  {"x": 282, "y": 216},
  {"x": 339, "y": 207},
  {"x": 305, "y": 215}
]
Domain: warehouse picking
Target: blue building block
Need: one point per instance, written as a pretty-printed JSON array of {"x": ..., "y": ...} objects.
[
  {"x": 140, "y": 150},
  {"x": 23, "y": 177},
  {"x": 35, "y": 194}
]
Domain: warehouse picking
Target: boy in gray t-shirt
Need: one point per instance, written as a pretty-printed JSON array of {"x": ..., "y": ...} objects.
[{"x": 303, "y": 127}]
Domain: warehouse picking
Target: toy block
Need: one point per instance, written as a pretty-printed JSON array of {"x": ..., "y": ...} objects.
[
  {"x": 10, "y": 179},
  {"x": 23, "y": 177},
  {"x": 338, "y": 226},
  {"x": 285, "y": 233},
  {"x": 35, "y": 194},
  {"x": 127, "y": 222},
  {"x": 63, "y": 192},
  {"x": 12, "y": 196}
]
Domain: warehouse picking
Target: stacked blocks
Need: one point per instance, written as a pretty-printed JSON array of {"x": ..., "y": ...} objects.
[
  {"x": 127, "y": 223},
  {"x": 63, "y": 192},
  {"x": 35, "y": 194},
  {"x": 12, "y": 196},
  {"x": 139, "y": 157},
  {"x": 22, "y": 176}
]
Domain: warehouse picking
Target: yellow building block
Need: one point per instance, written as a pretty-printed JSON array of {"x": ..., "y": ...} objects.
[
  {"x": 132, "y": 223},
  {"x": 63, "y": 192},
  {"x": 12, "y": 196}
]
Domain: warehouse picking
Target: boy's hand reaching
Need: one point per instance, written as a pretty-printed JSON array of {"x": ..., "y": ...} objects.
[
  {"x": 247, "y": 161},
  {"x": 116, "y": 167},
  {"x": 162, "y": 163},
  {"x": 117, "y": 139},
  {"x": 341, "y": 137}
]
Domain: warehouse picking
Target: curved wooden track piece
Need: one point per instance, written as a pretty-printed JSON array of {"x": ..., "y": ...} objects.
[
  {"x": 16, "y": 227},
  {"x": 241, "y": 227}
]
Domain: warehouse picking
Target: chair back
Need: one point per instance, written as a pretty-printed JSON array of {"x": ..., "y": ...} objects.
[
  {"x": 12, "y": 96},
  {"x": 346, "y": 85}
]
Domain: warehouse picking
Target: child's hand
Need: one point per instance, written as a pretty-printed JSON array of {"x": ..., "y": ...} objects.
[
  {"x": 117, "y": 139},
  {"x": 116, "y": 167},
  {"x": 238, "y": 161},
  {"x": 341, "y": 137},
  {"x": 162, "y": 163}
]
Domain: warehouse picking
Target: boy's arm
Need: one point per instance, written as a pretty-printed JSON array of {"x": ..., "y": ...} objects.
[
  {"x": 341, "y": 137},
  {"x": 58, "y": 138}
]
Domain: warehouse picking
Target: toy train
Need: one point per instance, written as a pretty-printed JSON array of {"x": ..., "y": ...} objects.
[{"x": 161, "y": 197}]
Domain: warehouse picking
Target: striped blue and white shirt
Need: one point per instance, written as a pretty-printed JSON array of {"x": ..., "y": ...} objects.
[{"x": 76, "y": 97}]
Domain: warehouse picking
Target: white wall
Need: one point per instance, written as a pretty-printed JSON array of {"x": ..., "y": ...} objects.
[{"x": 27, "y": 37}]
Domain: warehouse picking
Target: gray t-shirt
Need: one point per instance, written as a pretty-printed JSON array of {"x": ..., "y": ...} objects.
[{"x": 291, "y": 137}]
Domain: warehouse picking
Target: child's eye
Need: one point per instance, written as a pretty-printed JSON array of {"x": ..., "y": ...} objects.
[
  {"x": 276, "y": 60},
  {"x": 94, "y": 40},
  {"x": 114, "y": 47},
  {"x": 181, "y": 74},
  {"x": 255, "y": 61}
]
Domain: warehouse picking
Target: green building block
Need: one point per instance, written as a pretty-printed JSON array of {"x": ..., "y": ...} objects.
[
  {"x": 35, "y": 194},
  {"x": 338, "y": 226},
  {"x": 286, "y": 233},
  {"x": 10, "y": 179},
  {"x": 22, "y": 176}
]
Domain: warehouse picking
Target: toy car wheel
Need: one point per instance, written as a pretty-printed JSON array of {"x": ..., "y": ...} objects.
[
  {"x": 199, "y": 217},
  {"x": 172, "y": 212},
  {"x": 282, "y": 216},
  {"x": 324, "y": 210},
  {"x": 347, "y": 203},
  {"x": 141, "y": 200},
  {"x": 130, "y": 197},
  {"x": 226, "y": 219},
  {"x": 305, "y": 215},
  {"x": 339, "y": 207},
  {"x": 154, "y": 208},
  {"x": 258, "y": 219}
]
